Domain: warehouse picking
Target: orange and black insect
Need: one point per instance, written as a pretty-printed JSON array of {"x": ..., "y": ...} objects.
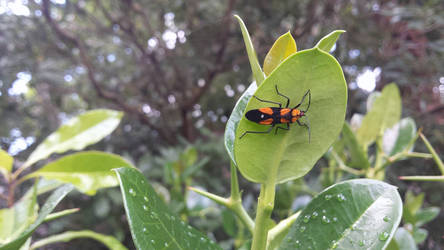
[{"x": 278, "y": 115}]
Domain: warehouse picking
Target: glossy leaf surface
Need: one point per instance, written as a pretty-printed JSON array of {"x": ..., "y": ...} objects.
[
  {"x": 355, "y": 214},
  {"x": 152, "y": 225},
  {"x": 258, "y": 74},
  {"x": 397, "y": 138},
  {"x": 87, "y": 171},
  {"x": 235, "y": 117},
  {"x": 282, "y": 48},
  {"x": 385, "y": 112},
  {"x": 288, "y": 154},
  {"x": 46, "y": 209},
  {"x": 79, "y": 132},
  {"x": 328, "y": 41}
]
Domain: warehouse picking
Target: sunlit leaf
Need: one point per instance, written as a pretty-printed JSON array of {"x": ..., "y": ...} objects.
[
  {"x": 385, "y": 112},
  {"x": 5, "y": 163},
  {"x": 152, "y": 225},
  {"x": 109, "y": 241},
  {"x": 258, "y": 75},
  {"x": 282, "y": 48},
  {"x": 355, "y": 214},
  {"x": 397, "y": 138},
  {"x": 79, "y": 132},
  {"x": 328, "y": 41},
  {"x": 87, "y": 171},
  {"x": 14, "y": 220},
  {"x": 46, "y": 209},
  {"x": 235, "y": 117},
  {"x": 289, "y": 154}
]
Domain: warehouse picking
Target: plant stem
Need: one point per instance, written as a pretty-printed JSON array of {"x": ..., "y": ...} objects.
[
  {"x": 434, "y": 154},
  {"x": 264, "y": 209}
]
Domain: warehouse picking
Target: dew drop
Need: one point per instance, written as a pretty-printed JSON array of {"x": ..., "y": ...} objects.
[
  {"x": 145, "y": 198},
  {"x": 327, "y": 197},
  {"x": 302, "y": 229},
  {"x": 334, "y": 245},
  {"x": 166, "y": 244},
  {"x": 132, "y": 192},
  {"x": 202, "y": 239},
  {"x": 335, "y": 219},
  {"x": 144, "y": 230},
  {"x": 153, "y": 242},
  {"x": 383, "y": 236},
  {"x": 297, "y": 243},
  {"x": 314, "y": 215},
  {"x": 386, "y": 218},
  {"x": 306, "y": 218},
  {"x": 341, "y": 197},
  {"x": 145, "y": 208},
  {"x": 324, "y": 211},
  {"x": 361, "y": 243},
  {"x": 325, "y": 219}
]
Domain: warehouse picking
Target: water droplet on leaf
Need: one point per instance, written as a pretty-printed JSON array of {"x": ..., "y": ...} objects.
[
  {"x": 306, "y": 218},
  {"x": 325, "y": 219},
  {"x": 341, "y": 197},
  {"x": 302, "y": 229},
  {"x": 383, "y": 236},
  {"x": 314, "y": 215},
  {"x": 386, "y": 218},
  {"x": 132, "y": 192},
  {"x": 327, "y": 197}
]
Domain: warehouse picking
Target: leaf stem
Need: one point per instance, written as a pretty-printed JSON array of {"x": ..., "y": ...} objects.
[
  {"x": 344, "y": 167},
  {"x": 422, "y": 178},
  {"x": 264, "y": 209},
  {"x": 434, "y": 154},
  {"x": 281, "y": 228}
]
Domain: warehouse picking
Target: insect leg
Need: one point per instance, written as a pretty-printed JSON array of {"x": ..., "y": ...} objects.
[
  {"x": 303, "y": 98},
  {"x": 307, "y": 126},
  {"x": 287, "y": 128},
  {"x": 286, "y": 97},
  {"x": 257, "y": 132},
  {"x": 280, "y": 105}
]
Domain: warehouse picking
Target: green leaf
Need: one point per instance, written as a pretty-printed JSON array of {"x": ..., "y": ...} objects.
[
  {"x": 426, "y": 215},
  {"x": 403, "y": 240},
  {"x": 385, "y": 112},
  {"x": 258, "y": 75},
  {"x": 60, "y": 214},
  {"x": 398, "y": 138},
  {"x": 354, "y": 214},
  {"x": 327, "y": 42},
  {"x": 87, "y": 171},
  {"x": 109, "y": 241},
  {"x": 357, "y": 155},
  {"x": 419, "y": 235},
  {"x": 5, "y": 163},
  {"x": 46, "y": 209},
  {"x": 282, "y": 48},
  {"x": 288, "y": 154},
  {"x": 79, "y": 132},
  {"x": 229, "y": 223},
  {"x": 235, "y": 117},
  {"x": 152, "y": 225},
  {"x": 16, "y": 219}
]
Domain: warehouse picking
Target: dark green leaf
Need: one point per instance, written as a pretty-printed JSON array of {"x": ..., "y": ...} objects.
[
  {"x": 152, "y": 225},
  {"x": 229, "y": 223},
  {"x": 355, "y": 214},
  {"x": 46, "y": 209},
  {"x": 235, "y": 117},
  {"x": 288, "y": 154}
]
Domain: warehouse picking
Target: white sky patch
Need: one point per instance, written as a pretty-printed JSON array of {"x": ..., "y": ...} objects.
[
  {"x": 152, "y": 42},
  {"x": 20, "y": 86},
  {"x": 20, "y": 144},
  {"x": 367, "y": 79},
  {"x": 170, "y": 38},
  {"x": 16, "y": 7}
]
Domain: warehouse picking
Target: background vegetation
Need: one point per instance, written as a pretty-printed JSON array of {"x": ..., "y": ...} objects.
[{"x": 176, "y": 69}]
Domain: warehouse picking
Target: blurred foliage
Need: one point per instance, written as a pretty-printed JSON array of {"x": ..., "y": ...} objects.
[{"x": 176, "y": 68}]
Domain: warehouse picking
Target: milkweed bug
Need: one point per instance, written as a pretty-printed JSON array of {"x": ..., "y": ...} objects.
[{"x": 274, "y": 115}]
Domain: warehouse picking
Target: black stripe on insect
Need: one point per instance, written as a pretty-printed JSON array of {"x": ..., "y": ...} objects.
[{"x": 278, "y": 115}]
